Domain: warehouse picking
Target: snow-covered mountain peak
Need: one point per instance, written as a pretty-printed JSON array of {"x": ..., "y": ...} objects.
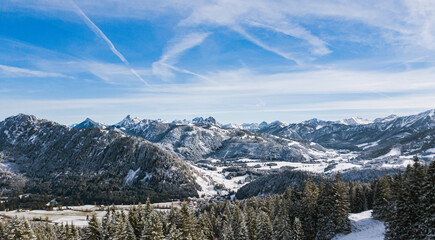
[
  {"x": 278, "y": 123},
  {"x": 231, "y": 126},
  {"x": 263, "y": 124},
  {"x": 312, "y": 120},
  {"x": 353, "y": 121},
  {"x": 21, "y": 117},
  {"x": 386, "y": 119},
  {"x": 429, "y": 113},
  {"x": 128, "y": 121}
]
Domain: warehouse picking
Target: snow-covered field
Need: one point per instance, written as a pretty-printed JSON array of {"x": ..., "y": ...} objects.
[
  {"x": 75, "y": 215},
  {"x": 364, "y": 227},
  {"x": 331, "y": 163},
  {"x": 207, "y": 179}
]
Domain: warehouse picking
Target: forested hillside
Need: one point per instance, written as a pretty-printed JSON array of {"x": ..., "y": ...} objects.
[{"x": 76, "y": 166}]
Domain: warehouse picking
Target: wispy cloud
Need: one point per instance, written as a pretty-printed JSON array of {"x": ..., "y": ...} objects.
[
  {"x": 99, "y": 33},
  {"x": 266, "y": 47},
  {"x": 164, "y": 66},
  {"x": 10, "y": 71}
]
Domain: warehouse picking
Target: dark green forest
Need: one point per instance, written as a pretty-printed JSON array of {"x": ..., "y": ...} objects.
[{"x": 405, "y": 202}]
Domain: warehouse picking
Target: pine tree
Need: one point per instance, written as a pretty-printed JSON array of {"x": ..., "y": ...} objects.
[
  {"x": 184, "y": 223},
  {"x": 240, "y": 228},
  {"x": 133, "y": 219},
  {"x": 427, "y": 200},
  {"x": 252, "y": 224},
  {"x": 308, "y": 214},
  {"x": 341, "y": 206},
  {"x": 382, "y": 198},
  {"x": 93, "y": 230},
  {"x": 3, "y": 230},
  {"x": 15, "y": 230},
  {"x": 412, "y": 204},
  {"x": 148, "y": 209},
  {"x": 264, "y": 228},
  {"x": 394, "y": 222},
  {"x": 205, "y": 226},
  {"x": 282, "y": 227},
  {"x": 154, "y": 230},
  {"x": 325, "y": 225},
  {"x": 214, "y": 221},
  {"x": 74, "y": 233},
  {"x": 227, "y": 231},
  {"x": 297, "y": 230},
  {"x": 174, "y": 233}
]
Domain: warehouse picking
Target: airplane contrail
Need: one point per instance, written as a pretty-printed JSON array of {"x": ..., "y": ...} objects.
[{"x": 99, "y": 33}]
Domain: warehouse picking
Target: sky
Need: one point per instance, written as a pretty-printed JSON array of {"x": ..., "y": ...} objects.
[{"x": 238, "y": 61}]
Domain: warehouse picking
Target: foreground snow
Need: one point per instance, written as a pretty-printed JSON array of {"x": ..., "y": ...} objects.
[{"x": 364, "y": 227}]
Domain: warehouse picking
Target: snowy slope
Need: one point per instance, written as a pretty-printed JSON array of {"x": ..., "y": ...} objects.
[{"x": 364, "y": 227}]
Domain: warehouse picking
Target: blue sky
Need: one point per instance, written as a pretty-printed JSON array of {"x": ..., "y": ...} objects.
[{"x": 239, "y": 61}]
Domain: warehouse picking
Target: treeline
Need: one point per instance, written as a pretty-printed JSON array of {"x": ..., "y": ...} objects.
[
  {"x": 406, "y": 202},
  {"x": 20, "y": 229},
  {"x": 314, "y": 211}
]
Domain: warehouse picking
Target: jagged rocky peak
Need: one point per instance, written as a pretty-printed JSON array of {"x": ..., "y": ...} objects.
[
  {"x": 20, "y": 118},
  {"x": 209, "y": 120},
  {"x": 88, "y": 123}
]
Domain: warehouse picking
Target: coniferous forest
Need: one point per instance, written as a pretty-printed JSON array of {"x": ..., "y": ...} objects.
[{"x": 404, "y": 201}]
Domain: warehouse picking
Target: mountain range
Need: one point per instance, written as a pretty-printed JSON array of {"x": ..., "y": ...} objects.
[
  {"x": 135, "y": 158},
  {"x": 306, "y": 141}
]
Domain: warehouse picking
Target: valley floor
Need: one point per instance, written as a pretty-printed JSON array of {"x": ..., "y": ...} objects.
[
  {"x": 75, "y": 215},
  {"x": 364, "y": 227}
]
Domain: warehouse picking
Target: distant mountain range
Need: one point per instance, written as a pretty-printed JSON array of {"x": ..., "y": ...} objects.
[
  {"x": 306, "y": 141},
  {"x": 134, "y": 159}
]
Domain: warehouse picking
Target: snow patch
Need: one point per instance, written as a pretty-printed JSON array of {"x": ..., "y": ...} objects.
[
  {"x": 147, "y": 177},
  {"x": 364, "y": 227},
  {"x": 131, "y": 176},
  {"x": 393, "y": 152}
]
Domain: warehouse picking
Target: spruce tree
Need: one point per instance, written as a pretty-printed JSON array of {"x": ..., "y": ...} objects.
[
  {"x": 282, "y": 226},
  {"x": 264, "y": 228},
  {"x": 240, "y": 228},
  {"x": 427, "y": 200},
  {"x": 252, "y": 224},
  {"x": 174, "y": 233},
  {"x": 382, "y": 197},
  {"x": 325, "y": 224},
  {"x": 297, "y": 230},
  {"x": 184, "y": 223},
  {"x": 15, "y": 230},
  {"x": 205, "y": 226},
  {"x": 308, "y": 214},
  {"x": 93, "y": 230},
  {"x": 154, "y": 230},
  {"x": 341, "y": 205},
  {"x": 227, "y": 231}
]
